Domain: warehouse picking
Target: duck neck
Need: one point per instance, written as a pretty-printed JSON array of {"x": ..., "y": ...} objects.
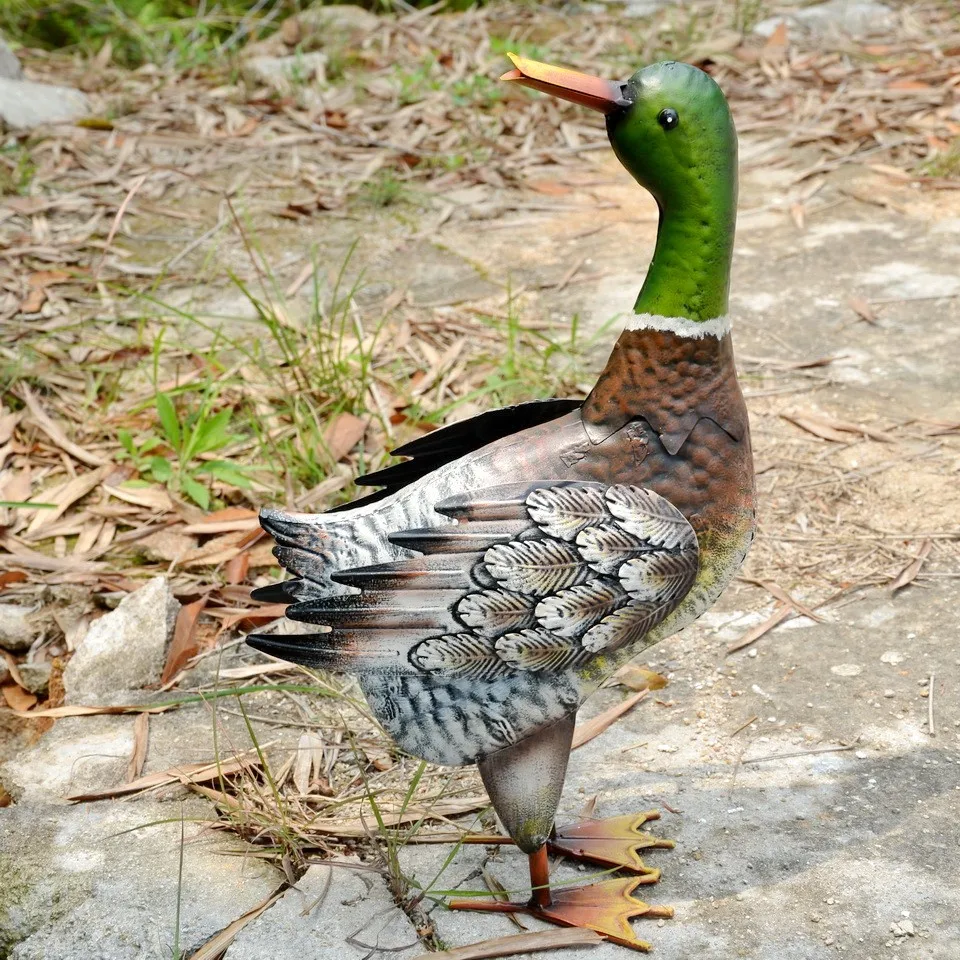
[{"x": 689, "y": 275}]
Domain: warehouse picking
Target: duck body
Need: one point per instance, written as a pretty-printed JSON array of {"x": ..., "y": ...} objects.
[
  {"x": 519, "y": 558},
  {"x": 670, "y": 418}
]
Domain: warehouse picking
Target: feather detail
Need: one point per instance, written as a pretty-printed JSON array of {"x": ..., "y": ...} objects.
[
  {"x": 649, "y": 516},
  {"x": 536, "y": 650},
  {"x": 562, "y": 512},
  {"x": 493, "y": 612},
  {"x": 536, "y": 567},
  {"x": 659, "y": 577},
  {"x": 607, "y": 547},
  {"x": 459, "y": 655},
  {"x": 570, "y": 612},
  {"x": 628, "y": 625}
]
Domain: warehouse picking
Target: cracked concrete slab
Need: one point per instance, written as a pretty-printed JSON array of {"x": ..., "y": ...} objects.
[
  {"x": 336, "y": 911},
  {"x": 779, "y": 856}
]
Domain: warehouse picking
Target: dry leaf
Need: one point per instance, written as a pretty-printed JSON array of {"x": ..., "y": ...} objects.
[
  {"x": 18, "y": 699},
  {"x": 64, "y": 497},
  {"x": 215, "y": 946},
  {"x": 153, "y": 498},
  {"x": 909, "y": 573},
  {"x": 237, "y": 569},
  {"x": 343, "y": 435},
  {"x": 863, "y": 309},
  {"x": 585, "y": 732},
  {"x": 781, "y": 612},
  {"x": 551, "y": 188},
  {"x": 230, "y": 520},
  {"x": 818, "y": 427},
  {"x": 184, "y": 645},
  {"x": 308, "y": 763},
  {"x": 39, "y": 416},
  {"x": 637, "y": 678},
  {"x": 141, "y": 737},
  {"x": 520, "y": 943},
  {"x": 38, "y": 283},
  {"x": 829, "y": 428},
  {"x": 8, "y": 423},
  {"x": 188, "y": 773},
  {"x": 57, "y": 713}
]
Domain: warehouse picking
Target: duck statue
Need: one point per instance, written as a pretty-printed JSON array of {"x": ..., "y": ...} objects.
[{"x": 518, "y": 558}]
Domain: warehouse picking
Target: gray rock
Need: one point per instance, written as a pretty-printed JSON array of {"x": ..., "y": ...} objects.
[
  {"x": 35, "y": 676},
  {"x": 124, "y": 650},
  {"x": 336, "y": 912},
  {"x": 284, "y": 73},
  {"x": 10, "y": 68},
  {"x": 17, "y": 632},
  {"x": 854, "y": 18},
  {"x": 79, "y": 755},
  {"x": 339, "y": 22},
  {"x": 25, "y": 104},
  {"x": 645, "y": 8},
  {"x": 84, "y": 881}
]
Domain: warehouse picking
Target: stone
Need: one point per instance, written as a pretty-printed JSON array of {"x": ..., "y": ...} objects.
[
  {"x": 79, "y": 755},
  {"x": 17, "y": 632},
  {"x": 166, "y": 545},
  {"x": 101, "y": 880},
  {"x": 25, "y": 104},
  {"x": 125, "y": 649},
  {"x": 35, "y": 676},
  {"x": 854, "y": 18},
  {"x": 284, "y": 73},
  {"x": 336, "y": 911},
  {"x": 329, "y": 25},
  {"x": 10, "y": 68},
  {"x": 316, "y": 28}
]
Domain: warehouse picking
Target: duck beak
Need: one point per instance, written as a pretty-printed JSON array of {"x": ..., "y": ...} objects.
[{"x": 567, "y": 84}]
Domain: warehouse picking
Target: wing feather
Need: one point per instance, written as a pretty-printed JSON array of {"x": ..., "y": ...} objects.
[
  {"x": 459, "y": 655},
  {"x": 494, "y": 612},
  {"x": 607, "y": 547},
  {"x": 624, "y": 626},
  {"x": 649, "y": 516},
  {"x": 562, "y": 512},
  {"x": 573, "y": 611},
  {"x": 537, "y": 650},
  {"x": 536, "y": 567},
  {"x": 659, "y": 577}
]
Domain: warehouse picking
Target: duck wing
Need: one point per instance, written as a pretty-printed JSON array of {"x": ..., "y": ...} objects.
[
  {"x": 534, "y": 577},
  {"x": 456, "y": 440}
]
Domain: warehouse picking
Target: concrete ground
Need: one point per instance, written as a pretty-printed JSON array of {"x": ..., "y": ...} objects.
[
  {"x": 784, "y": 852},
  {"x": 811, "y": 781}
]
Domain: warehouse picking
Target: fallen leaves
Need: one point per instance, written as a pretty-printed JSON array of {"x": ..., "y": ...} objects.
[
  {"x": 37, "y": 284},
  {"x": 585, "y": 732},
  {"x": 520, "y": 943},
  {"x": 834, "y": 429},
  {"x": 909, "y": 573},
  {"x": 141, "y": 738},
  {"x": 183, "y": 647},
  {"x": 55, "y": 432}
]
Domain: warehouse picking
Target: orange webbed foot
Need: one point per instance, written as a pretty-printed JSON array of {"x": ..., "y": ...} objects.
[{"x": 615, "y": 842}]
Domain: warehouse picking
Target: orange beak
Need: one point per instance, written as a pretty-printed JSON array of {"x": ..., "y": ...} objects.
[{"x": 579, "y": 88}]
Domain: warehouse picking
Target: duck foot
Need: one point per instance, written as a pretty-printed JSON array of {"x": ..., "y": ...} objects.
[
  {"x": 614, "y": 842},
  {"x": 606, "y": 907}
]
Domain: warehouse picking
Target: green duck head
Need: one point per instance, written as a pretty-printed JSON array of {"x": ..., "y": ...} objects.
[{"x": 671, "y": 127}]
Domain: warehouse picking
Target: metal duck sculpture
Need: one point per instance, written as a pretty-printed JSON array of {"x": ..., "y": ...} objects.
[{"x": 519, "y": 558}]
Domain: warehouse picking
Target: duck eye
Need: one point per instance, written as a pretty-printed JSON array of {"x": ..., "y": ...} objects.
[{"x": 668, "y": 118}]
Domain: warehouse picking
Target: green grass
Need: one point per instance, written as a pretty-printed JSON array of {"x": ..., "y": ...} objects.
[
  {"x": 181, "y": 33},
  {"x": 178, "y": 32},
  {"x": 946, "y": 164}
]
